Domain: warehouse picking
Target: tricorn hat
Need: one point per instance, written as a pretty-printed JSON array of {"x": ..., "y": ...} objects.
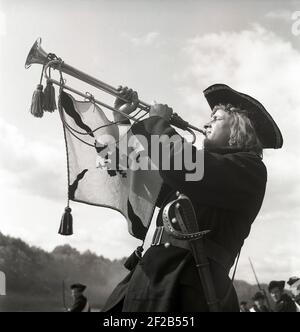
[
  {"x": 80, "y": 287},
  {"x": 258, "y": 296},
  {"x": 273, "y": 284},
  {"x": 265, "y": 127},
  {"x": 292, "y": 280}
]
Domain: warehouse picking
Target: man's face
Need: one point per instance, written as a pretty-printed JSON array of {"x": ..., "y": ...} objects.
[
  {"x": 259, "y": 303},
  {"x": 295, "y": 289},
  {"x": 276, "y": 294},
  {"x": 244, "y": 307},
  {"x": 218, "y": 129},
  {"x": 75, "y": 293}
]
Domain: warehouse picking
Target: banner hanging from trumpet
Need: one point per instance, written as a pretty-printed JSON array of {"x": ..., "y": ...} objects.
[
  {"x": 129, "y": 190},
  {"x": 90, "y": 142}
]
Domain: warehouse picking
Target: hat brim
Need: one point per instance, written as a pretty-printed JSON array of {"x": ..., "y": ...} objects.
[
  {"x": 292, "y": 281},
  {"x": 81, "y": 288},
  {"x": 265, "y": 127},
  {"x": 275, "y": 284},
  {"x": 258, "y": 296}
]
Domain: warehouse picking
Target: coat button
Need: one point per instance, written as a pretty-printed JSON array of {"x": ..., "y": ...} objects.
[{"x": 167, "y": 244}]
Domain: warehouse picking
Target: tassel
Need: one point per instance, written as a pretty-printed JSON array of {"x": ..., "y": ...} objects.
[
  {"x": 36, "y": 108},
  {"x": 133, "y": 259},
  {"x": 66, "y": 225},
  {"x": 49, "y": 98}
]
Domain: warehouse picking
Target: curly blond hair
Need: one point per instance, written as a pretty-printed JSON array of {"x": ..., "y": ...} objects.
[{"x": 242, "y": 132}]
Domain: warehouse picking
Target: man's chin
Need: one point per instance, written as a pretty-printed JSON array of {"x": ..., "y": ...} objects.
[
  {"x": 209, "y": 144},
  {"x": 212, "y": 145}
]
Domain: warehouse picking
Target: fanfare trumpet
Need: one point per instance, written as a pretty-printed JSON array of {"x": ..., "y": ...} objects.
[{"x": 49, "y": 60}]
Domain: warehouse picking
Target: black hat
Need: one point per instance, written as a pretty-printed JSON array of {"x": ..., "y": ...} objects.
[
  {"x": 273, "y": 284},
  {"x": 258, "y": 296},
  {"x": 292, "y": 280},
  {"x": 80, "y": 287},
  {"x": 265, "y": 127}
]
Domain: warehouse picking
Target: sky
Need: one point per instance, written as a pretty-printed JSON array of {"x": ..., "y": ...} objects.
[{"x": 169, "y": 51}]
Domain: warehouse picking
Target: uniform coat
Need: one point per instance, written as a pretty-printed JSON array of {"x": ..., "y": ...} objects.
[
  {"x": 261, "y": 309},
  {"x": 80, "y": 305},
  {"x": 226, "y": 201},
  {"x": 285, "y": 304}
]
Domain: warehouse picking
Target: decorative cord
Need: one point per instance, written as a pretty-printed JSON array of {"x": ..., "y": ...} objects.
[
  {"x": 91, "y": 98},
  {"x": 66, "y": 144}
]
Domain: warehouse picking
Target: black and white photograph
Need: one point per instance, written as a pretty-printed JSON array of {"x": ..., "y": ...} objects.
[{"x": 149, "y": 158}]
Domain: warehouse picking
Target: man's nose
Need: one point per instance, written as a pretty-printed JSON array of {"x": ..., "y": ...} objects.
[{"x": 207, "y": 125}]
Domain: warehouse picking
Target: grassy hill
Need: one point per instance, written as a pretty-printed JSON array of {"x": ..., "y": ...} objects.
[{"x": 35, "y": 277}]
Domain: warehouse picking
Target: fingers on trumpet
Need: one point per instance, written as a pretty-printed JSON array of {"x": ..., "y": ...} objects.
[
  {"x": 162, "y": 110},
  {"x": 127, "y": 99}
]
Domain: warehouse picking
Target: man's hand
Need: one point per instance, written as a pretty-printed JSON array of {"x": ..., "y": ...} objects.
[
  {"x": 123, "y": 106},
  {"x": 164, "y": 111}
]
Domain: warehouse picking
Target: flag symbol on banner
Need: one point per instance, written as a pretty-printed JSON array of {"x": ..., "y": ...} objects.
[{"x": 89, "y": 137}]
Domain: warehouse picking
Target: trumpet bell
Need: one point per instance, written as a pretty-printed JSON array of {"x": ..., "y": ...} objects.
[{"x": 36, "y": 54}]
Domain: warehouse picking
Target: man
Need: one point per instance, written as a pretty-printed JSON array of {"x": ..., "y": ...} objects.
[
  {"x": 244, "y": 306},
  {"x": 283, "y": 302},
  {"x": 2, "y": 283},
  {"x": 226, "y": 201},
  {"x": 259, "y": 303},
  {"x": 80, "y": 301},
  {"x": 294, "y": 283}
]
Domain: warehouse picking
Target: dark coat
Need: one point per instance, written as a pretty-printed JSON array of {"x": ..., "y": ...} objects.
[
  {"x": 261, "y": 309},
  {"x": 285, "y": 304},
  {"x": 226, "y": 201},
  {"x": 79, "y": 304}
]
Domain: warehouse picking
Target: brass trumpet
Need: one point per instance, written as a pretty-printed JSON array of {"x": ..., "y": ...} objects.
[{"x": 49, "y": 60}]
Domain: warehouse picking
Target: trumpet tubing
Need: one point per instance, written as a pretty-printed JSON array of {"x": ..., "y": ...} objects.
[{"x": 38, "y": 56}]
